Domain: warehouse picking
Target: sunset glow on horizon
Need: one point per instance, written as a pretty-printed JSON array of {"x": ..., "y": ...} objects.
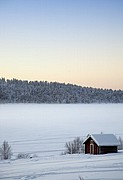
[{"x": 70, "y": 41}]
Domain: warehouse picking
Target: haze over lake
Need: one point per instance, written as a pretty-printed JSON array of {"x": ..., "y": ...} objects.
[{"x": 55, "y": 124}]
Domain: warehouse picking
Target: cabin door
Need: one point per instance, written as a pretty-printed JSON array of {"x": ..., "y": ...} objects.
[{"x": 91, "y": 148}]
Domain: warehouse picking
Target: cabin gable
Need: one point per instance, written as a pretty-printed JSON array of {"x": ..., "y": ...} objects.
[{"x": 91, "y": 147}]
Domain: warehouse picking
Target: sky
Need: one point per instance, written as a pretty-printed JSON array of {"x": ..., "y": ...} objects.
[{"x": 69, "y": 41}]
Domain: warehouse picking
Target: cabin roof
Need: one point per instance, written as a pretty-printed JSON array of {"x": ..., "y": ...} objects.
[{"x": 104, "y": 139}]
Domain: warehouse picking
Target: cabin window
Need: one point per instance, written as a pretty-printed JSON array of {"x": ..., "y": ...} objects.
[{"x": 92, "y": 142}]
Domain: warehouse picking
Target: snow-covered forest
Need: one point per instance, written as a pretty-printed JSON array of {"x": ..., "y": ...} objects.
[{"x": 18, "y": 91}]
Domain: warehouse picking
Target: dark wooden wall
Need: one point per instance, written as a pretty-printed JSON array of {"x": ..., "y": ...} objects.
[{"x": 107, "y": 149}]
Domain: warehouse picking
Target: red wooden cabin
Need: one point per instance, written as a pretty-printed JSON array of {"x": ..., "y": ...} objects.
[{"x": 101, "y": 144}]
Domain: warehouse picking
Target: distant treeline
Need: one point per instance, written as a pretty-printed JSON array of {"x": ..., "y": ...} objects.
[{"x": 18, "y": 91}]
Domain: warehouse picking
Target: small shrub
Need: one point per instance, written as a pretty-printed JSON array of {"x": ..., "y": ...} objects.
[
  {"x": 26, "y": 155},
  {"x": 81, "y": 178},
  {"x": 75, "y": 146},
  {"x": 23, "y": 156},
  {"x": 121, "y": 143},
  {"x": 5, "y": 151}
]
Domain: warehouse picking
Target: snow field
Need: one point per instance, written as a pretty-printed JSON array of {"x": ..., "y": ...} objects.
[{"x": 65, "y": 167}]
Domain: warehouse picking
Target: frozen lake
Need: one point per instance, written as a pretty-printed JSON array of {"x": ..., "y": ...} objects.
[{"x": 47, "y": 127}]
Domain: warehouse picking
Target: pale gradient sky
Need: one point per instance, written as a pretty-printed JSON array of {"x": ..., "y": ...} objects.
[{"x": 71, "y": 41}]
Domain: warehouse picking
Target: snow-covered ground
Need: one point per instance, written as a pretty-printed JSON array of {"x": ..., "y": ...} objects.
[
  {"x": 65, "y": 167},
  {"x": 42, "y": 131}
]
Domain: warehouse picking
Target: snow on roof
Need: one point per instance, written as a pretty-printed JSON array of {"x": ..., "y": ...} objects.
[{"x": 104, "y": 139}]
